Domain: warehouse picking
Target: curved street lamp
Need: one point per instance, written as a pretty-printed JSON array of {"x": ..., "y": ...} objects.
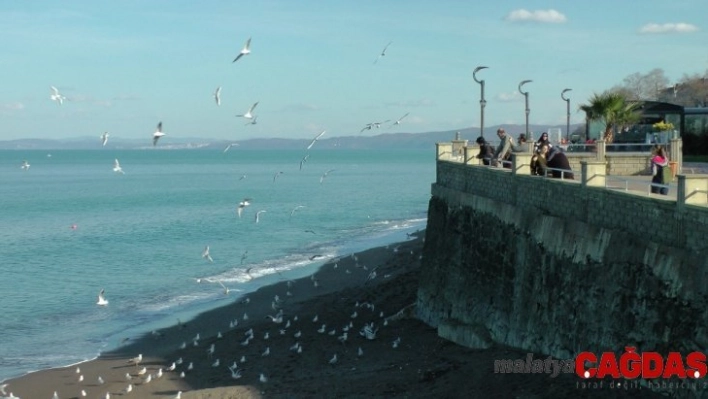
[
  {"x": 567, "y": 113},
  {"x": 482, "y": 101},
  {"x": 526, "y": 100}
]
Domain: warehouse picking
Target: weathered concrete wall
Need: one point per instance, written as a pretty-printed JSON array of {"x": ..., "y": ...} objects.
[{"x": 507, "y": 260}]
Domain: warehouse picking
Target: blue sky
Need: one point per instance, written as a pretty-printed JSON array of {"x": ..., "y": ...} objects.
[{"x": 124, "y": 66}]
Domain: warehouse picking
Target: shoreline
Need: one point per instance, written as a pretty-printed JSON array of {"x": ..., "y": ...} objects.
[
  {"x": 421, "y": 365},
  {"x": 159, "y": 345}
]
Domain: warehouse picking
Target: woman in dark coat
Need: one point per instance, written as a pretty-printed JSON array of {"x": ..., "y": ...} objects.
[
  {"x": 555, "y": 158},
  {"x": 486, "y": 152}
]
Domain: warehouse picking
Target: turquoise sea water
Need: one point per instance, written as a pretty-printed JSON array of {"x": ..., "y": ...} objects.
[{"x": 140, "y": 235}]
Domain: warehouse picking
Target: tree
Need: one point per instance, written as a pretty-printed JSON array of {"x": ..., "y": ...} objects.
[
  {"x": 643, "y": 87},
  {"x": 613, "y": 110}
]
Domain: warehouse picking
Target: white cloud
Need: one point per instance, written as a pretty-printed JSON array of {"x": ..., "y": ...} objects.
[
  {"x": 12, "y": 106},
  {"x": 514, "y": 96},
  {"x": 668, "y": 28},
  {"x": 543, "y": 16}
]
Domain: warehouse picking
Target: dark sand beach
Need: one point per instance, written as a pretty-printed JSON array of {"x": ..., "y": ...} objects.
[{"x": 421, "y": 366}]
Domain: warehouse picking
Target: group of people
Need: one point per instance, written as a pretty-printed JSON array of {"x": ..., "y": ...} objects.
[{"x": 547, "y": 160}]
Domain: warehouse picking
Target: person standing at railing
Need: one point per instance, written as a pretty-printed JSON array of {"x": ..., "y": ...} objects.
[
  {"x": 502, "y": 155},
  {"x": 486, "y": 152},
  {"x": 660, "y": 171}
]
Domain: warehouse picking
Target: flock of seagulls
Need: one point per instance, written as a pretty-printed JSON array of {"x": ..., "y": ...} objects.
[
  {"x": 368, "y": 331},
  {"x": 285, "y": 333},
  {"x": 249, "y": 115}
]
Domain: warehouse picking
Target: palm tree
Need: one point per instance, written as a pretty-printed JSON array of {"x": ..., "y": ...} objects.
[{"x": 613, "y": 110}]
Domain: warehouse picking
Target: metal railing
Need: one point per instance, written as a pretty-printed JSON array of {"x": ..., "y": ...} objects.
[
  {"x": 639, "y": 185},
  {"x": 563, "y": 172}
]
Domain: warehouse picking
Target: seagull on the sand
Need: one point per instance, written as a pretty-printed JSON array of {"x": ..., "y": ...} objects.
[
  {"x": 116, "y": 167},
  {"x": 396, "y": 342},
  {"x": 315, "y": 139},
  {"x": 55, "y": 96},
  {"x": 25, "y": 165},
  {"x": 383, "y": 53},
  {"x": 258, "y": 215},
  {"x": 325, "y": 175},
  {"x": 217, "y": 95},
  {"x": 55, "y": 396},
  {"x": 129, "y": 388},
  {"x": 137, "y": 360},
  {"x": 266, "y": 352},
  {"x": 398, "y": 122},
  {"x": 333, "y": 360},
  {"x": 179, "y": 395},
  {"x": 246, "y": 50},
  {"x": 104, "y": 138},
  {"x": 246, "y": 202},
  {"x": 205, "y": 254},
  {"x": 102, "y": 301},
  {"x": 158, "y": 133},
  {"x": 249, "y": 113},
  {"x": 263, "y": 378}
]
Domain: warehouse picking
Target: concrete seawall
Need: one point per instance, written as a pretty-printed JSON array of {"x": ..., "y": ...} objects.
[{"x": 557, "y": 268}]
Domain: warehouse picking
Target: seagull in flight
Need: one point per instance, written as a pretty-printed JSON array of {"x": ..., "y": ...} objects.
[
  {"x": 246, "y": 202},
  {"x": 226, "y": 290},
  {"x": 295, "y": 209},
  {"x": 246, "y": 50},
  {"x": 383, "y": 53},
  {"x": 249, "y": 114},
  {"x": 55, "y": 96},
  {"x": 102, "y": 301},
  {"x": 253, "y": 121},
  {"x": 315, "y": 139},
  {"x": 367, "y": 127},
  {"x": 217, "y": 95},
  {"x": 303, "y": 160},
  {"x": 104, "y": 138},
  {"x": 258, "y": 215},
  {"x": 228, "y": 147},
  {"x": 325, "y": 175},
  {"x": 398, "y": 122},
  {"x": 378, "y": 124},
  {"x": 158, "y": 133},
  {"x": 25, "y": 165},
  {"x": 276, "y": 176},
  {"x": 117, "y": 168},
  {"x": 205, "y": 254}
]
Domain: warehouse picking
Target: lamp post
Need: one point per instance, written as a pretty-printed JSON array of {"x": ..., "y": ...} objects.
[
  {"x": 482, "y": 101},
  {"x": 567, "y": 113},
  {"x": 526, "y": 100}
]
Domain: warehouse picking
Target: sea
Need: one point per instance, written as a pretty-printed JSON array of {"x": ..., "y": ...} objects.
[{"x": 70, "y": 227}]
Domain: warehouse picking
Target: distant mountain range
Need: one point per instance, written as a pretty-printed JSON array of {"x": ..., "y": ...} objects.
[{"x": 381, "y": 141}]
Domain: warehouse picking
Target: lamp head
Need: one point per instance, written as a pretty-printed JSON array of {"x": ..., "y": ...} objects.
[
  {"x": 563, "y": 94},
  {"x": 523, "y": 82},
  {"x": 479, "y": 68}
]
